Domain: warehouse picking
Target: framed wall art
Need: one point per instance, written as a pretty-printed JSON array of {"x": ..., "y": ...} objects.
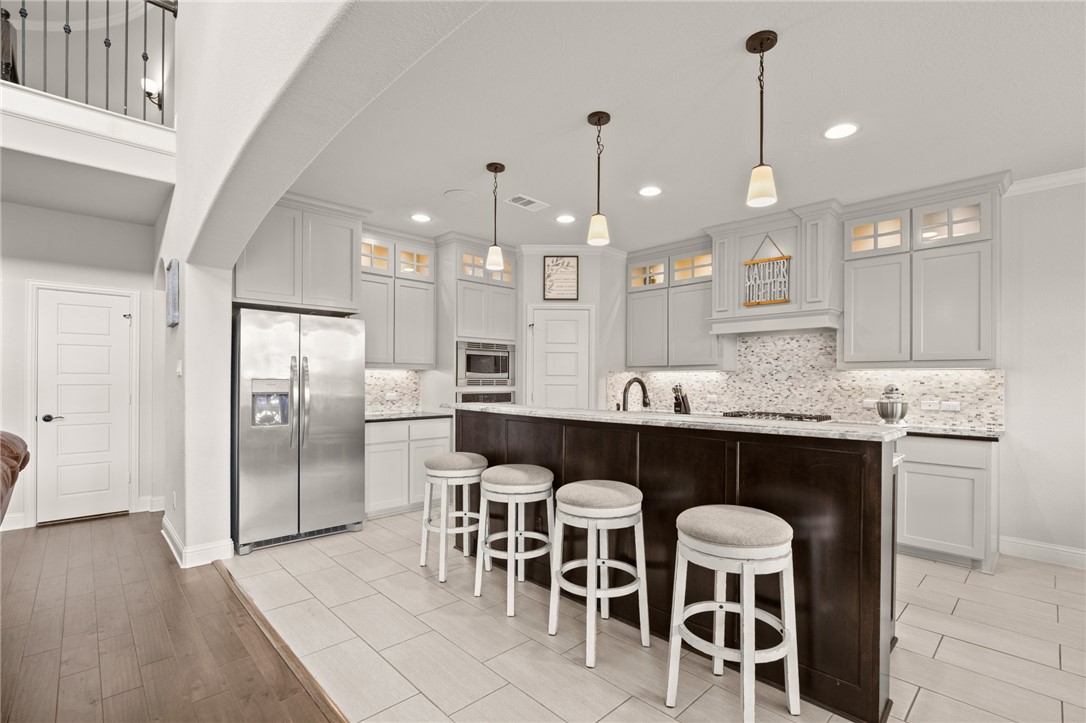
[{"x": 560, "y": 278}]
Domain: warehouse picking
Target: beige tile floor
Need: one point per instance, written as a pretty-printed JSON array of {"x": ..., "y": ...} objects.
[{"x": 390, "y": 643}]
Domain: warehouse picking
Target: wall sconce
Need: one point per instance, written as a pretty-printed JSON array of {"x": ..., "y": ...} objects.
[{"x": 153, "y": 91}]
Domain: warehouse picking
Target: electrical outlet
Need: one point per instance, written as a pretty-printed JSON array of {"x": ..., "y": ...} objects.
[
  {"x": 175, "y": 499},
  {"x": 950, "y": 406},
  {"x": 929, "y": 405},
  {"x": 869, "y": 403},
  {"x": 391, "y": 396}
]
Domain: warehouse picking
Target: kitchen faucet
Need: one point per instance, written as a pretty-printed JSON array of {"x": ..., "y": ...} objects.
[{"x": 626, "y": 393}]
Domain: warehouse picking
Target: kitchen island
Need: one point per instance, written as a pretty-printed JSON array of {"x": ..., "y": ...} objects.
[{"x": 834, "y": 483}]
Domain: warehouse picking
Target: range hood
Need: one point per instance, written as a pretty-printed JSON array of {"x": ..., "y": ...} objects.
[{"x": 813, "y": 320}]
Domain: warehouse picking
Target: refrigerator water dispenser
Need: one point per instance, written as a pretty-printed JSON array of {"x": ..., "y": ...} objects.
[{"x": 271, "y": 402}]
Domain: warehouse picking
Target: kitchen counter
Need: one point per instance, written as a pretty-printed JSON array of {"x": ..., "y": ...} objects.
[
  {"x": 834, "y": 483},
  {"x": 406, "y": 416},
  {"x": 855, "y": 431}
]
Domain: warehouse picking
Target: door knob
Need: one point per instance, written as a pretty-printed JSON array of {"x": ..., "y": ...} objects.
[{"x": 49, "y": 417}]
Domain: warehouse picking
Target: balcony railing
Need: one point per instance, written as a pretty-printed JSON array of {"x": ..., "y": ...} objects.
[{"x": 111, "y": 54}]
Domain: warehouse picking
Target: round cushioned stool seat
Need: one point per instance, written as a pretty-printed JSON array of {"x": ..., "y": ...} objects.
[
  {"x": 517, "y": 478},
  {"x": 455, "y": 461},
  {"x": 734, "y": 526},
  {"x": 599, "y": 494}
]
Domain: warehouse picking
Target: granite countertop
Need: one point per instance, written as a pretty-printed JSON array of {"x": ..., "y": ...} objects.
[
  {"x": 406, "y": 416},
  {"x": 862, "y": 432},
  {"x": 984, "y": 433}
]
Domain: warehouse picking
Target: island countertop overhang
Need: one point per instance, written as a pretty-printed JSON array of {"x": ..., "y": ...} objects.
[{"x": 857, "y": 432}]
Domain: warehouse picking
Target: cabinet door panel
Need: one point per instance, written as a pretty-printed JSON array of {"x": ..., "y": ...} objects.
[
  {"x": 471, "y": 308},
  {"x": 952, "y": 302},
  {"x": 414, "y": 338},
  {"x": 376, "y": 309},
  {"x": 646, "y": 329},
  {"x": 387, "y": 469},
  {"x": 330, "y": 262},
  {"x": 419, "y": 452},
  {"x": 270, "y": 267},
  {"x": 942, "y": 508},
  {"x": 877, "y": 309},
  {"x": 689, "y": 340},
  {"x": 501, "y": 320}
]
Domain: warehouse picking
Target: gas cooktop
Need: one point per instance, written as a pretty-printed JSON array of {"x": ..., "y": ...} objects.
[{"x": 780, "y": 416}]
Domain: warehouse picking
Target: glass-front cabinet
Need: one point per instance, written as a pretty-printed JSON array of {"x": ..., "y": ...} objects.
[
  {"x": 414, "y": 262},
  {"x": 885, "y": 233},
  {"x": 959, "y": 221},
  {"x": 644, "y": 275},
  {"x": 376, "y": 257},
  {"x": 692, "y": 268}
]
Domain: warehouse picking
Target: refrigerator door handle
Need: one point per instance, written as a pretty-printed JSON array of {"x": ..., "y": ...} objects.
[
  {"x": 293, "y": 399},
  {"x": 305, "y": 398}
]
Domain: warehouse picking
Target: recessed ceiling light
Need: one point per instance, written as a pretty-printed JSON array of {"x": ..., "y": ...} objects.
[
  {"x": 650, "y": 191},
  {"x": 420, "y": 217},
  {"x": 841, "y": 130},
  {"x": 565, "y": 218}
]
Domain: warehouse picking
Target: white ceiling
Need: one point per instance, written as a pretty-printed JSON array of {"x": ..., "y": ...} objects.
[
  {"x": 50, "y": 183},
  {"x": 942, "y": 92}
]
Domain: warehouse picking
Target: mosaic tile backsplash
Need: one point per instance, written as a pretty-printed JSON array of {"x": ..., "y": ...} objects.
[
  {"x": 406, "y": 385},
  {"x": 798, "y": 373}
]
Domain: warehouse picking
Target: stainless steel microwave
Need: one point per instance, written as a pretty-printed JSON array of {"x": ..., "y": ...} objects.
[{"x": 479, "y": 364}]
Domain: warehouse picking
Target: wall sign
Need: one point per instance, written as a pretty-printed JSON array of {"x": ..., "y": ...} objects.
[
  {"x": 173, "y": 293},
  {"x": 767, "y": 279},
  {"x": 560, "y": 278}
]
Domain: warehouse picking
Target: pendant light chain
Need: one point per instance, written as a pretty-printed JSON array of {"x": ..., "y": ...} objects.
[
  {"x": 495, "y": 208},
  {"x": 599, "y": 162},
  {"x": 761, "y": 108}
]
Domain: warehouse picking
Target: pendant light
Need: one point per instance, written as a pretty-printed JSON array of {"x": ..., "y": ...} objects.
[
  {"x": 597, "y": 227},
  {"x": 494, "y": 260},
  {"x": 762, "y": 190}
]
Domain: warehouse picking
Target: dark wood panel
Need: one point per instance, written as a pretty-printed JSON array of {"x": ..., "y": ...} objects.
[{"x": 830, "y": 491}]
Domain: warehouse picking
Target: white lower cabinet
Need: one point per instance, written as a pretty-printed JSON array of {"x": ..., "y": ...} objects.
[
  {"x": 948, "y": 500},
  {"x": 395, "y": 453}
]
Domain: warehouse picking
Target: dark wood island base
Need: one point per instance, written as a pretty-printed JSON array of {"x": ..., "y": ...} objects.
[{"x": 837, "y": 493}]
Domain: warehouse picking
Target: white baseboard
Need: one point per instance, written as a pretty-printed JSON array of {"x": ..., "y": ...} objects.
[
  {"x": 157, "y": 504},
  {"x": 13, "y": 521},
  {"x": 1043, "y": 552},
  {"x": 143, "y": 504},
  {"x": 196, "y": 554}
]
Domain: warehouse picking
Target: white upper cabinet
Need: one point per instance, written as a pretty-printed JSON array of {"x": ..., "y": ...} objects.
[
  {"x": 647, "y": 329},
  {"x": 885, "y": 233},
  {"x": 301, "y": 258},
  {"x": 877, "y": 310},
  {"x": 415, "y": 324},
  {"x": 689, "y": 341},
  {"x": 505, "y": 276},
  {"x": 471, "y": 266},
  {"x": 376, "y": 257},
  {"x": 485, "y": 312},
  {"x": 376, "y": 307},
  {"x": 414, "y": 262},
  {"x": 330, "y": 261},
  {"x": 952, "y": 303},
  {"x": 691, "y": 268},
  {"x": 270, "y": 268},
  {"x": 956, "y": 221}
]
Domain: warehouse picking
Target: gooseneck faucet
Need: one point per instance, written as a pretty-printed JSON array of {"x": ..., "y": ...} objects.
[{"x": 626, "y": 393}]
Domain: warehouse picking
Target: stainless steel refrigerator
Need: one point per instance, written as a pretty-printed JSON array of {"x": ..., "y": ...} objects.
[{"x": 299, "y": 426}]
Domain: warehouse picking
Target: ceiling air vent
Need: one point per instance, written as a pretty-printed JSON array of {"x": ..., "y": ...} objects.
[{"x": 527, "y": 203}]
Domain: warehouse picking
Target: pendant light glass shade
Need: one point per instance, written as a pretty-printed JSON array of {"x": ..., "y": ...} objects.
[
  {"x": 762, "y": 191},
  {"x": 494, "y": 260},
  {"x": 597, "y": 231}
]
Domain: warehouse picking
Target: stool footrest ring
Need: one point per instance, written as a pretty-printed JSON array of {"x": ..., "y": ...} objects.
[
  {"x": 762, "y": 655},
  {"x": 472, "y": 527},
  {"x": 607, "y": 592},
  {"x": 491, "y": 551}
]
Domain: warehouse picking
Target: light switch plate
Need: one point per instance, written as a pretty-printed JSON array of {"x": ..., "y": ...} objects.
[
  {"x": 178, "y": 367},
  {"x": 929, "y": 405},
  {"x": 951, "y": 406},
  {"x": 391, "y": 396}
]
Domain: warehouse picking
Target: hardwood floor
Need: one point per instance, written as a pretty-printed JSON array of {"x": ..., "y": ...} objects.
[{"x": 98, "y": 622}]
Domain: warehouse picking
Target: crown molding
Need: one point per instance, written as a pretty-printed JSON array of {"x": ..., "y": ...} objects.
[
  {"x": 390, "y": 235},
  {"x": 1073, "y": 177},
  {"x": 308, "y": 203},
  {"x": 562, "y": 250}
]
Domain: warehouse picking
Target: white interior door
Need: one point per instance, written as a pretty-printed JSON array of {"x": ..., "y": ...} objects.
[
  {"x": 83, "y": 398},
  {"x": 559, "y": 377}
]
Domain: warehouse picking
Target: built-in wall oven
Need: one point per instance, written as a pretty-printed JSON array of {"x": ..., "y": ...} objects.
[
  {"x": 481, "y": 364},
  {"x": 495, "y": 397}
]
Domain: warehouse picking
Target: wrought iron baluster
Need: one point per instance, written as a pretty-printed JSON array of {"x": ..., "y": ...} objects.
[
  {"x": 107, "y": 43},
  {"x": 22, "y": 60},
  {"x": 162, "y": 75},
  {"x": 45, "y": 45},
  {"x": 145, "y": 56},
  {"x": 86, "y": 55},
  {"x": 125, "y": 56},
  {"x": 67, "y": 42}
]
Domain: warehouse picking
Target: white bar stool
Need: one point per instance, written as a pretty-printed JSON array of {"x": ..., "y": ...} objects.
[
  {"x": 449, "y": 469},
  {"x": 515, "y": 485},
  {"x": 747, "y": 542},
  {"x": 597, "y": 506}
]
